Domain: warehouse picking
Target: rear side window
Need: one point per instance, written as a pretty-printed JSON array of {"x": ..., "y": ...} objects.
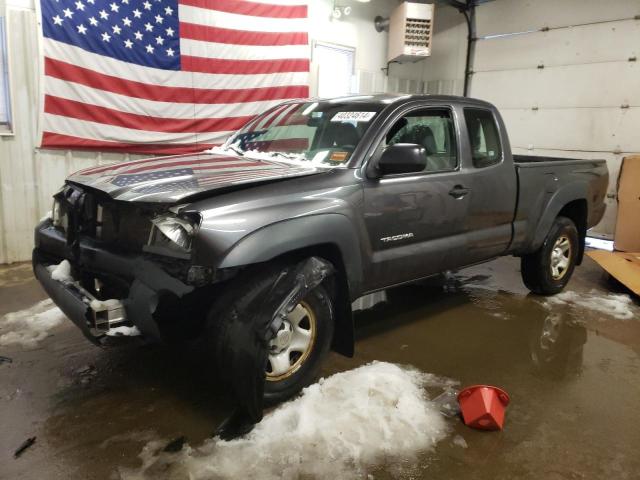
[{"x": 483, "y": 136}]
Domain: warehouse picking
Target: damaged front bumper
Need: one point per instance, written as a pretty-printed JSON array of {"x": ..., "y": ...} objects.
[{"x": 144, "y": 282}]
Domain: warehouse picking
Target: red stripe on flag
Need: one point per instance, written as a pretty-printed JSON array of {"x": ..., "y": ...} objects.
[
  {"x": 243, "y": 67},
  {"x": 203, "y": 163},
  {"x": 109, "y": 116},
  {"x": 57, "y": 141},
  {"x": 130, "y": 88},
  {"x": 238, "y": 177},
  {"x": 286, "y": 144},
  {"x": 241, "y": 37},
  {"x": 294, "y": 117},
  {"x": 136, "y": 163},
  {"x": 254, "y": 9},
  {"x": 279, "y": 111},
  {"x": 143, "y": 165},
  {"x": 290, "y": 144}
]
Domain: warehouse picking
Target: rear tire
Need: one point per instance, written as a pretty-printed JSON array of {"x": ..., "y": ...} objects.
[
  {"x": 311, "y": 319},
  {"x": 548, "y": 270}
]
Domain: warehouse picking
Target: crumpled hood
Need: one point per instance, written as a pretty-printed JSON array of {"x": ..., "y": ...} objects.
[{"x": 171, "y": 179}]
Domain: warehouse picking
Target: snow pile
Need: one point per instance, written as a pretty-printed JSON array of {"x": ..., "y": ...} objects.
[
  {"x": 336, "y": 429},
  {"x": 617, "y": 305},
  {"x": 100, "y": 305},
  {"x": 30, "y": 326},
  {"x": 123, "y": 331},
  {"x": 61, "y": 272}
]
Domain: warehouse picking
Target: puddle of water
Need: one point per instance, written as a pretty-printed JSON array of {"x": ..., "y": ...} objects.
[
  {"x": 15, "y": 275},
  {"x": 572, "y": 375}
]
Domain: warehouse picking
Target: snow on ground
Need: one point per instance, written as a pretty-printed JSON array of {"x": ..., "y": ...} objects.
[
  {"x": 617, "y": 305},
  {"x": 123, "y": 331},
  {"x": 336, "y": 429},
  {"x": 30, "y": 326}
]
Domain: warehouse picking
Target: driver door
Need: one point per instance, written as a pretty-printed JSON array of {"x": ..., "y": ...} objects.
[{"x": 415, "y": 221}]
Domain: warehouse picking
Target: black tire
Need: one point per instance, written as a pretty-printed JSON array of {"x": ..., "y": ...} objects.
[
  {"x": 238, "y": 295},
  {"x": 537, "y": 271}
]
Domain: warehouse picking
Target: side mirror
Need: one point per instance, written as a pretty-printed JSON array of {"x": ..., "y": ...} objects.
[{"x": 402, "y": 158}]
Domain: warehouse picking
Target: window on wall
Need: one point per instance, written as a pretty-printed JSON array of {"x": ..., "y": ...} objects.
[
  {"x": 335, "y": 65},
  {"x": 5, "y": 98},
  {"x": 483, "y": 136}
]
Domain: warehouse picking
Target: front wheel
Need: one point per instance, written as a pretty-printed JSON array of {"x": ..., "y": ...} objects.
[
  {"x": 298, "y": 349},
  {"x": 548, "y": 270},
  {"x": 296, "y": 352}
]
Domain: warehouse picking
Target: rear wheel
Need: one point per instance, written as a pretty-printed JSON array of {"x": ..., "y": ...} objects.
[
  {"x": 548, "y": 270},
  {"x": 296, "y": 352}
]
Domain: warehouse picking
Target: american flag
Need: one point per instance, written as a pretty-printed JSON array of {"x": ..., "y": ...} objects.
[{"x": 167, "y": 76}]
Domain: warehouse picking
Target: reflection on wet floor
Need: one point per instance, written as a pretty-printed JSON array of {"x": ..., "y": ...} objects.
[{"x": 571, "y": 372}]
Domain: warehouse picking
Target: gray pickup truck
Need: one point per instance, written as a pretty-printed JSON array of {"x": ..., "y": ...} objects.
[{"x": 383, "y": 189}]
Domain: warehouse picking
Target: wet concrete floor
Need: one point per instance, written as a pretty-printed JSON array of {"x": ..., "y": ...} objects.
[{"x": 573, "y": 374}]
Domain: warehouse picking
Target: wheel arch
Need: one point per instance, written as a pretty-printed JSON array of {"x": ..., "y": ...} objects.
[
  {"x": 330, "y": 236},
  {"x": 570, "y": 202}
]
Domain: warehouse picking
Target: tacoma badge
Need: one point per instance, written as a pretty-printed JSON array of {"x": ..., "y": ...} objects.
[{"x": 395, "y": 238}]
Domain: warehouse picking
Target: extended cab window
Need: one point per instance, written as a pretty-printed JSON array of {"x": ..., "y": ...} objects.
[
  {"x": 483, "y": 136},
  {"x": 432, "y": 129}
]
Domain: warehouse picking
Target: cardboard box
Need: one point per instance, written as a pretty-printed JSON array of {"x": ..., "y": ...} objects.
[
  {"x": 623, "y": 263},
  {"x": 627, "y": 236},
  {"x": 624, "y": 267}
]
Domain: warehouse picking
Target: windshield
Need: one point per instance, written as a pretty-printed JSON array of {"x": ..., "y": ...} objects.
[{"x": 318, "y": 133}]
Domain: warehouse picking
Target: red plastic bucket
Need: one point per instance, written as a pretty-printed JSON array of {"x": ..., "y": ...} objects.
[{"x": 483, "y": 406}]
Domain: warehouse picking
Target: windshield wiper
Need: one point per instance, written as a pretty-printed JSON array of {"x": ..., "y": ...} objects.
[
  {"x": 288, "y": 156},
  {"x": 235, "y": 149}
]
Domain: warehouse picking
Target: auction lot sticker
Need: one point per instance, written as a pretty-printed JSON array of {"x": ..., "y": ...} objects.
[{"x": 353, "y": 116}]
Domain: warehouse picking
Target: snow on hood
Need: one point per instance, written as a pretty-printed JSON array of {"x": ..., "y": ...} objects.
[
  {"x": 30, "y": 326},
  {"x": 338, "y": 428},
  {"x": 171, "y": 179}
]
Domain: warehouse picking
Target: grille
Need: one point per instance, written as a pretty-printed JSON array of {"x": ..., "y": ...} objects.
[
  {"x": 122, "y": 225},
  {"x": 125, "y": 226}
]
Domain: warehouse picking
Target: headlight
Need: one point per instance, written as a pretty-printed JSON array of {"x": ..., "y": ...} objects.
[{"x": 179, "y": 231}]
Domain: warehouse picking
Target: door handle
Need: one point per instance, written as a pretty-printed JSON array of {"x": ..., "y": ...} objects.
[{"x": 459, "y": 191}]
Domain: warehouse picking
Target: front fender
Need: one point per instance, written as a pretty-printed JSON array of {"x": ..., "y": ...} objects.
[
  {"x": 294, "y": 234},
  {"x": 299, "y": 233}
]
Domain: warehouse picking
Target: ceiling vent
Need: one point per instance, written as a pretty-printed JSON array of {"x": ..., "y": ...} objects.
[{"x": 410, "y": 30}]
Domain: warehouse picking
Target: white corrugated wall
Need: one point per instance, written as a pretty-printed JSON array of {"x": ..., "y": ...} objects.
[
  {"x": 569, "y": 91},
  {"x": 572, "y": 90},
  {"x": 28, "y": 177}
]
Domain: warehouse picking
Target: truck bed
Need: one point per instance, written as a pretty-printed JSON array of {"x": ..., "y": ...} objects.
[
  {"x": 524, "y": 159},
  {"x": 539, "y": 179}
]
